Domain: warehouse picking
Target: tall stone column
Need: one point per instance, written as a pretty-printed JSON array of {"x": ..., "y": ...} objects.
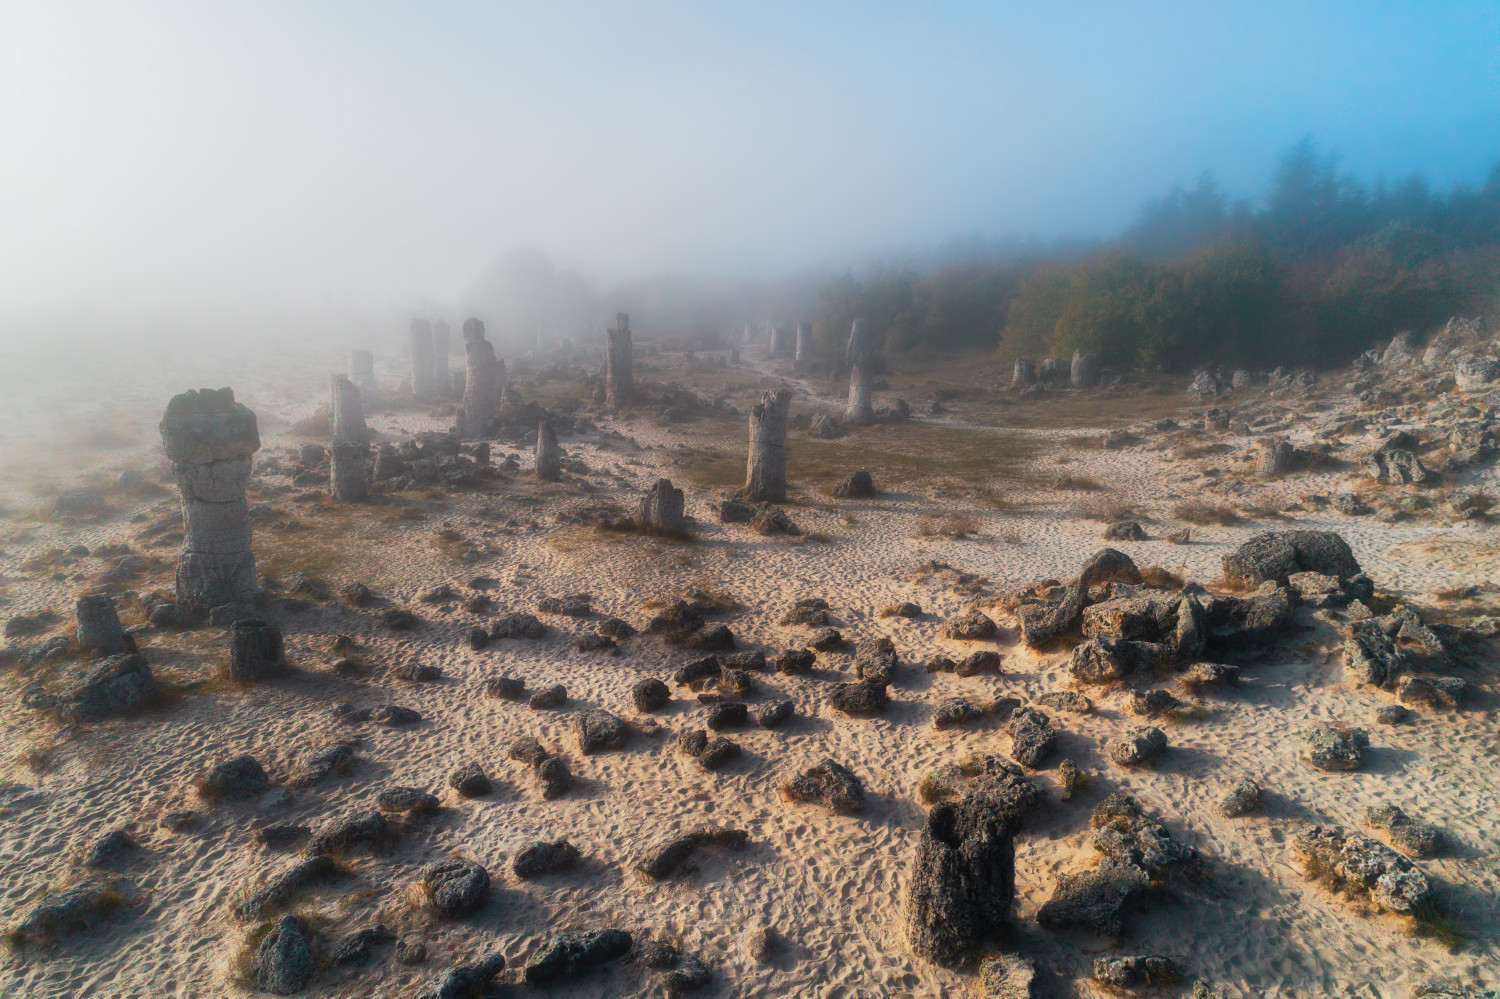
[
  {"x": 804, "y": 343},
  {"x": 548, "y": 454},
  {"x": 442, "y": 376},
  {"x": 348, "y": 471},
  {"x": 1085, "y": 369},
  {"x": 859, "y": 342},
  {"x": 861, "y": 411},
  {"x": 210, "y": 440},
  {"x": 347, "y": 416},
  {"x": 480, "y": 377},
  {"x": 421, "y": 359},
  {"x": 619, "y": 364},
  {"x": 765, "y": 471},
  {"x": 362, "y": 372},
  {"x": 1024, "y": 373}
]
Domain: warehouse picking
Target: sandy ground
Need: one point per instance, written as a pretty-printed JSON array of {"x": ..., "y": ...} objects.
[{"x": 830, "y": 885}]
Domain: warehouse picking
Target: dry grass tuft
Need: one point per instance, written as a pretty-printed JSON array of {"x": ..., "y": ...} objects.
[
  {"x": 1105, "y": 508},
  {"x": 1162, "y": 578},
  {"x": 1198, "y": 511},
  {"x": 946, "y": 525}
]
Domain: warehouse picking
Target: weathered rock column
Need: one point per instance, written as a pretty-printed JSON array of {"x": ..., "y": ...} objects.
[
  {"x": 99, "y": 629},
  {"x": 765, "y": 471},
  {"x": 1024, "y": 373},
  {"x": 442, "y": 376},
  {"x": 348, "y": 471},
  {"x": 860, "y": 411},
  {"x": 210, "y": 439},
  {"x": 804, "y": 342},
  {"x": 662, "y": 508},
  {"x": 859, "y": 342},
  {"x": 619, "y": 364},
  {"x": 362, "y": 372},
  {"x": 548, "y": 454},
  {"x": 347, "y": 416},
  {"x": 1085, "y": 370},
  {"x": 421, "y": 359},
  {"x": 478, "y": 405}
]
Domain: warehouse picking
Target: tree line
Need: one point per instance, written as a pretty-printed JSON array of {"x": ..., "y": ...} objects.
[{"x": 1322, "y": 268}]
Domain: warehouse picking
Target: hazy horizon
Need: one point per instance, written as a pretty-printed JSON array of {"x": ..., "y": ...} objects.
[{"x": 362, "y": 161}]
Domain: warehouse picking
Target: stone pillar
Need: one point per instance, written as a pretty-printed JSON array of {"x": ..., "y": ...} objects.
[
  {"x": 99, "y": 630},
  {"x": 619, "y": 364},
  {"x": 478, "y": 405},
  {"x": 362, "y": 372},
  {"x": 348, "y": 471},
  {"x": 210, "y": 440},
  {"x": 510, "y": 403},
  {"x": 256, "y": 649},
  {"x": 421, "y": 359},
  {"x": 1085, "y": 369},
  {"x": 804, "y": 342},
  {"x": 861, "y": 409},
  {"x": 765, "y": 470},
  {"x": 548, "y": 454},
  {"x": 442, "y": 377},
  {"x": 859, "y": 342},
  {"x": 661, "y": 509},
  {"x": 347, "y": 416},
  {"x": 1024, "y": 373}
]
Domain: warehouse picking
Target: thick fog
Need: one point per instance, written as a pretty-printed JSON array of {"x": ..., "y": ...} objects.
[{"x": 196, "y": 168}]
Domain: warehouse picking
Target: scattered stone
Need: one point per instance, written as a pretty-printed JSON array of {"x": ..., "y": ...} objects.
[
  {"x": 1005, "y": 976},
  {"x": 829, "y": 784},
  {"x": 1137, "y": 747},
  {"x": 399, "y": 619},
  {"x": 555, "y": 777},
  {"x": 1330, "y": 747},
  {"x": 279, "y": 890},
  {"x": 117, "y": 685},
  {"x": 711, "y": 754},
  {"x": 552, "y": 697},
  {"x": 236, "y": 779},
  {"x": 971, "y": 626},
  {"x": 1392, "y": 882},
  {"x": 1244, "y": 798},
  {"x": 955, "y": 712},
  {"x": 726, "y": 714},
  {"x": 110, "y": 849},
  {"x": 518, "y": 626},
  {"x": 1127, "y": 530},
  {"x": 650, "y": 694},
  {"x": 1103, "y": 660},
  {"x": 826, "y": 640},
  {"x": 598, "y": 730},
  {"x": 284, "y": 963},
  {"x": 1065, "y": 700},
  {"x": 410, "y": 800},
  {"x": 99, "y": 629},
  {"x": 508, "y": 688},
  {"x": 663, "y": 862},
  {"x": 1136, "y": 971},
  {"x": 1407, "y": 834},
  {"x": 858, "y": 698},
  {"x": 334, "y": 759},
  {"x": 544, "y": 858},
  {"x": 1108, "y": 565},
  {"x": 773, "y": 714},
  {"x": 1275, "y": 555},
  {"x": 812, "y": 611},
  {"x": 369, "y": 828},
  {"x": 795, "y": 660},
  {"x": 1431, "y": 691},
  {"x": 1042, "y": 623},
  {"x": 1032, "y": 736},
  {"x": 454, "y": 887},
  {"x": 358, "y": 947},
  {"x": 463, "y": 981},
  {"x": 963, "y": 878},
  {"x": 570, "y": 955},
  {"x": 857, "y": 486},
  {"x": 470, "y": 781}
]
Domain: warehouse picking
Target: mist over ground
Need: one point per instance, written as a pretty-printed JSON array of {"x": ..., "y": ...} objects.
[{"x": 184, "y": 173}]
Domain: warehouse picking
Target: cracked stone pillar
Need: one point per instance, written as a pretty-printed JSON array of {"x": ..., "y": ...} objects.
[
  {"x": 480, "y": 376},
  {"x": 804, "y": 342},
  {"x": 548, "y": 454},
  {"x": 859, "y": 342},
  {"x": 99, "y": 629},
  {"x": 362, "y": 372},
  {"x": 442, "y": 376},
  {"x": 421, "y": 359},
  {"x": 619, "y": 363},
  {"x": 210, "y": 440},
  {"x": 662, "y": 509},
  {"x": 860, "y": 411},
  {"x": 1024, "y": 373},
  {"x": 349, "y": 471},
  {"x": 765, "y": 470},
  {"x": 347, "y": 412},
  {"x": 1085, "y": 369}
]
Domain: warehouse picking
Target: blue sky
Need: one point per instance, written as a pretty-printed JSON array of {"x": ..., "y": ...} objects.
[{"x": 371, "y": 152}]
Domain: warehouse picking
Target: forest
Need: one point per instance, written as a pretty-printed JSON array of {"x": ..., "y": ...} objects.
[{"x": 1316, "y": 271}]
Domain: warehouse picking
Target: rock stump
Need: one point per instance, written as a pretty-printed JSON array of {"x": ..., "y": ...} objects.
[{"x": 765, "y": 472}]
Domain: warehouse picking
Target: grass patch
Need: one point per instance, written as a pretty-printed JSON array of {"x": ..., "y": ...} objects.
[
  {"x": 1199, "y": 511},
  {"x": 1105, "y": 508},
  {"x": 946, "y": 525}
]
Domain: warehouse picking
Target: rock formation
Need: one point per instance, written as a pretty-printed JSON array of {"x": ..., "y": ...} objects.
[
  {"x": 99, "y": 629},
  {"x": 481, "y": 376},
  {"x": 362, "y": 372},
  {"x": 346, "y": 412},
  {"x": 765, "y": 471},
  {"x": 619, "y": 364},
  {"x": 1085, "y": 370},
  {"x": 860, "y": 411},
  {"x": 1024, "y": 373},
  {"x": 442, "y": 377},
  {"x": 661, "y": 509},
  {"x": 348, "y": 471},
  {"x": 548, "y": 455},
  {"x": 421, "y": 359},
  {"x": 210, "y": 439}
]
